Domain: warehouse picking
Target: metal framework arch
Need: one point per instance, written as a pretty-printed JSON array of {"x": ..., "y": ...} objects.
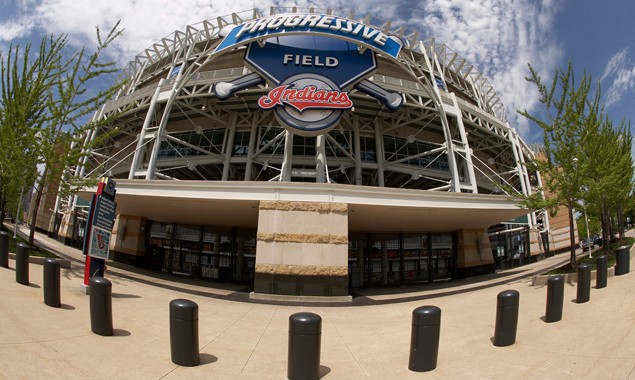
[{"x": 173, "y": 77}]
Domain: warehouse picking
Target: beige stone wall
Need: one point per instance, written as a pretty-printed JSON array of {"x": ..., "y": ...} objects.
[
  {"x": 474, "y": 248},
  {"x": 302, "y": 238},
  {"x": 66, "y": 227},
  {"x": 535, "y": 244},
  {"x": 128, "y": 235},
  {"x": 47, "y": 205}
]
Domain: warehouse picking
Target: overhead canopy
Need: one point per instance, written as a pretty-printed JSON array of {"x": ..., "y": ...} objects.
[{"x": 371, "y": 209}]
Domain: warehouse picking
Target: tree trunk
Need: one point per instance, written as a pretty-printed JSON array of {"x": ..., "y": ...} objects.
[
  {"x": 3, "y": 211},
  {"x": 35, "y": 206},
  {"x": 571, "y": 234},
  {"x": 606, "y": 225},
  {"x": 620, "y": 224}
]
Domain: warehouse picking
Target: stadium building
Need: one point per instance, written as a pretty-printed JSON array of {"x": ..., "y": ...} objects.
[{"x": 308, "y": 153}]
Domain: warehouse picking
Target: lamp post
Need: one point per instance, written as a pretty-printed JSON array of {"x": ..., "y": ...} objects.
[
  {"x": 588, "y": 232},
  {"x": 586, "y": 220},
  {"x": 17, "y": 214}
]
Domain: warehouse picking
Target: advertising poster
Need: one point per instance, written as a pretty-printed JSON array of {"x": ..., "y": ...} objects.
[{"x": 99, "y": 243}]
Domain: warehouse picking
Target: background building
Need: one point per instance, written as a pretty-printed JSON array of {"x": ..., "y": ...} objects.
[{"x": 387, "y": 164}]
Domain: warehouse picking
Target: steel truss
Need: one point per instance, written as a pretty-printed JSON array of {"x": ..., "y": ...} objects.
[{"x": 450, "y": 134}]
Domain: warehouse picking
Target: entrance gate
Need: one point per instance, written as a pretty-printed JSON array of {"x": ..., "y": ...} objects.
[{"x": 391, "y": 259}]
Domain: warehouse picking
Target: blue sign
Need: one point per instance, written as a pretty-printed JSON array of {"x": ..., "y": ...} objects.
[
  {"x": 287, "y": 24},
  {"x": 286, "y": 56}
]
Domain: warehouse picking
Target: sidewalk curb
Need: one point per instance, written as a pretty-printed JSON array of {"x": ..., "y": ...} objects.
[
  {"x": 40, "y": 260},
  {"x": 569, "y": 278}
]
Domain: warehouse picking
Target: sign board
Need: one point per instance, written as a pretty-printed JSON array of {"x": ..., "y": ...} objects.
[
  {"x": 99, "y": 245},
  {"x": 286, "y": 56},
  {"x": 310, "y": 62},
  {"x": 104, "y": 214},
  {"x": 310, "y": 73},
  {"x": 332, "y": 26},
  {"x": 102, "y": 223}
]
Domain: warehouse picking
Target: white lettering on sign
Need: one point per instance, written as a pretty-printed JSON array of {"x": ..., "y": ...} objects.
[
  {"x": 314, "y": 21},
  {"x": 309, "y": 60}
]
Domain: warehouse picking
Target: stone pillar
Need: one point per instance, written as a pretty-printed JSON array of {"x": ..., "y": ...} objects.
[
  {"x": 302, "y": 249},
  {"x": 65, "y": 233},
  {"x": 127, "y": 241},
  {"x": 474, "y": 253}
]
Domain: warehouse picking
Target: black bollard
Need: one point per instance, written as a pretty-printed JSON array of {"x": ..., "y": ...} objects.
[
  {"x": 101, "y": 306},
  {"x": 22, "y": 264},
  {"x": 4, "y": 249},
  {"x": 305, "y": 333},
  {"x": 506, "y": 318},
  {"x": 623, "y": 263},
  {"x": 584, "y": 283},
  {"x": 424, "y": 338},
  {"x": 555, "y": 298},
  {"x": 184, "y": 332},
  {"x": 51, "y": 282},
  {"x": 601, "y": 271}
]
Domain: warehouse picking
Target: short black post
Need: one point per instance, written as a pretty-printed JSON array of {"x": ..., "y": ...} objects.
[
  {"x": 601, "y": 273},
  {"x": 305, "y": 334},
  {"x": 424, "y": 338},
  {"x": 4, "y": 249},
  {"x": 584, "y": 283},
  {"x": 623, "y": 263},
  {"x": 555, "y": 298},
  {"x": 101, "y": 306},
  {"x": 22, "y": 263},
  {"x": 506, "y": 318},
  {"x": 184, "y": 332},
  {"x": 52, "y": 283}
]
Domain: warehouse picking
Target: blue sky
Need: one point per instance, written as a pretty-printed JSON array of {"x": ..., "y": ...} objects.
[{"x": 498, "y": 36}]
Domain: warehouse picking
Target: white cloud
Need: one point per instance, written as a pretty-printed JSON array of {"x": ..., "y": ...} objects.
[
  {"x": 497, "y": 36},
  {"x": 619, "y": 73},
  {"x": 500, "y": 38}
]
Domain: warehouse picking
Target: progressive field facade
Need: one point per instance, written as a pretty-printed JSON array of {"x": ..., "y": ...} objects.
[{"x": 307, "y": 153}]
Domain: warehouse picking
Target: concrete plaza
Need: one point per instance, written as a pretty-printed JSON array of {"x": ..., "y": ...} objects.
[{"x": 367, "y": 338}]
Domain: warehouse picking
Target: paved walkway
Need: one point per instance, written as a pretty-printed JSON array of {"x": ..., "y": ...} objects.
[{"x": 369, "y": 338}]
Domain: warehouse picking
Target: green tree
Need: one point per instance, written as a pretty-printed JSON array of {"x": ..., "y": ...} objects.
[
  {"x": 570, "y": 109},
  {"x": 67, "y": 99},
  {"x": 25, "y": 84},
  {"x": 609, "y": 181}
]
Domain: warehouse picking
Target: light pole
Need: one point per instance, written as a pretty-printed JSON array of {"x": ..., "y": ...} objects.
[
  {"x": 17, "y": 215},
  {"x": 586, "y": 220},
  {"x": 588, "y": 232}
]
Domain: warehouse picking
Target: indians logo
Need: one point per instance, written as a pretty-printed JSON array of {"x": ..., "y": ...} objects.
[
  {"x": 309, "y": 102},
  {"x": 306, "y": 84}
]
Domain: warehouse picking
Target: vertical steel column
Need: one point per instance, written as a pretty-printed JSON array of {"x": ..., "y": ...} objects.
[
  {"x": 285, "y": 173},
  {"x": 320, "y": 159},
  {"x": 229, "y": 147},
  {"x": 158, "y": 134},
  {"x": 379, "y": 154},
  {"x": 140, "y": 149},
  {"x": 466, "y": 145},
  {"x": 253, "y": 134},
  {"x": 449, "y": 144},
  {"x": 358, "y": 151},
  {"x": 518, "y": 157}
]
